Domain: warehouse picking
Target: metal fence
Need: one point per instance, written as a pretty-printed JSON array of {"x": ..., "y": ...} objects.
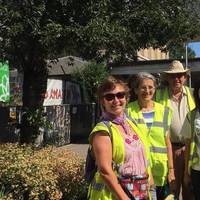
[
  {"x": 69, "y": 123},
  {"x": 83, "y": 119}
]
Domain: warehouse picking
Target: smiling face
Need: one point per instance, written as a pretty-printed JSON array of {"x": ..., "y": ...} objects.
[
  {"x": 145, "y": 90},
  {"x": 114, "y": 101},
  {"x": 176, "y": 81}
]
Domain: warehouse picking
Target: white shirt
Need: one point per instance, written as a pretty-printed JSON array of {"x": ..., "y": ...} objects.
[{"x": 179, "y": 124}]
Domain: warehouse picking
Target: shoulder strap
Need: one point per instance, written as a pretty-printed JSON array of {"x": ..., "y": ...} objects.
[
  {"x": 107, "y": 124},
  {"x": 114, "y": 165},
  {"x": 109, "y": 128}
]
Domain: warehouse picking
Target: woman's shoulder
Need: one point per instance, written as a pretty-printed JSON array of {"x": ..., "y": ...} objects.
[{"x": 101, "y": 126}]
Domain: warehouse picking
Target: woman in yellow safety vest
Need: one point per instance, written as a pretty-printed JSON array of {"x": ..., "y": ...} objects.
[
  {"x": 192, "y": 154},
  {"x": 153, "y": 119},
  {"x": 121, "y": 157}
]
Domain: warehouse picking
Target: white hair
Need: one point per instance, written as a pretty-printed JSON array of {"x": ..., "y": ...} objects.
[{"x": 143, "y": 75}]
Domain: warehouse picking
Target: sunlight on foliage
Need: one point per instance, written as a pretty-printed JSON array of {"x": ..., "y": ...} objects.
[
  {"x": 91, "y": 77},
  {"x": 48, "y": 173}
]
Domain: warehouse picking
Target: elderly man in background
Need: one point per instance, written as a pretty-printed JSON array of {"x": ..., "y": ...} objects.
[{"x": 179, "y": 98}]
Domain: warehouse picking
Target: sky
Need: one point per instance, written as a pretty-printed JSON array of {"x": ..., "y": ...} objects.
[{"x": 196, "y": 47}]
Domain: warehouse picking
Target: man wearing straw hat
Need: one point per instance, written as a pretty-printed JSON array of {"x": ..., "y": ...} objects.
[{"x": 179, "y": 98}]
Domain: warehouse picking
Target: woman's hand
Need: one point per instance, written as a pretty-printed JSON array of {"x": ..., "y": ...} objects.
[
  {"x": 151, "y": 181},
  {"x": 171, "y": 176},
  {"x": 171, "y": 180}
]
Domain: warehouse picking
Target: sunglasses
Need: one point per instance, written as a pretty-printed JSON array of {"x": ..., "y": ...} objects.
[{"x": 111, "y": 96}]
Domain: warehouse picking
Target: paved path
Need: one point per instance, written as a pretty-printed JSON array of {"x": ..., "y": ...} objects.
[{"x": 79, "y": 149}]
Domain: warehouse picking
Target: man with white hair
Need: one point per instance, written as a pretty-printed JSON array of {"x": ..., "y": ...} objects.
[{"x": 179, "y": 98}]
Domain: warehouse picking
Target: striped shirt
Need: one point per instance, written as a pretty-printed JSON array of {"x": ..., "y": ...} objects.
[{"x": 148, "y": 117}]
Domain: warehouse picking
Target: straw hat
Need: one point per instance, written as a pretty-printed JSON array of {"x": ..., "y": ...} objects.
[{"x": 176, "y": 67}]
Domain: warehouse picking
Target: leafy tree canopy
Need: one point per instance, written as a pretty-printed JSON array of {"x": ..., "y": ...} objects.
[
  {"x": 119, "y": 27},
  {"x": 122, "y": 27},
  {"x": 32, "y": 31},
  {"x": 91, "y": 77}
]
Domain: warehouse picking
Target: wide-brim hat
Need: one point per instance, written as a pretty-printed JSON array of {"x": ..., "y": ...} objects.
[{"x": 176, "y": 67}]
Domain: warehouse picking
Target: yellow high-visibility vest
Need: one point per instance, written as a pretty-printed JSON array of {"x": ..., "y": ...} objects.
[
  {"x": 156, "y": 137},
  {"x": 194, "y": 157},
  {"x": 162, "y": 96},
  {"x": 97, "y": 189}
]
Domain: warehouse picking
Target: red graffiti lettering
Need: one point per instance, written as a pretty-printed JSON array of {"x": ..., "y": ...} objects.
[
  {"x": 46, "y": 95},
  {"x": 55, "y": 94}
]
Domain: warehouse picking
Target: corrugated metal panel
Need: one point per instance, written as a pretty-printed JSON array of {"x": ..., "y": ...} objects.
[
  {"x": 151, "y": 67},
  {"x": 65, "y": 65}
]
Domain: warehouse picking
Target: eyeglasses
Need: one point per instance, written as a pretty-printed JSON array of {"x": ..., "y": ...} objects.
[
  {"x": 111, "y": 96},
  {"x": 144, "y": 89}
]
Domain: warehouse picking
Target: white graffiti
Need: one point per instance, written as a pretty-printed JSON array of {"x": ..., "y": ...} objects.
[{"x": 4, "y": 88}]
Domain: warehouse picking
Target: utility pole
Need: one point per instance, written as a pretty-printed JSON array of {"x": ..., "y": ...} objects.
[{"x": 186, "y": 64}]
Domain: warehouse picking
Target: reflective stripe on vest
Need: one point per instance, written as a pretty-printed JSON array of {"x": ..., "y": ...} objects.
[
  {"x": 190, "y": 99},
  {"x": 158, "y": 150},
  {"x": 155, "y": 136},
  {"x": 158, "y": 124},
  {"x": 193, "y": 156},
  {"x": 163, "y": 124},
  {"x": 162, "y": 96},
  {"x": 165, "y": 119},
  {"x": 97, "y": 186}
]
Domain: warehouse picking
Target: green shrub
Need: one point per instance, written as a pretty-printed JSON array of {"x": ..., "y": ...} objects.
[
  {"x": 71, "y": 183},
  {"x": 47, "y": 173}
]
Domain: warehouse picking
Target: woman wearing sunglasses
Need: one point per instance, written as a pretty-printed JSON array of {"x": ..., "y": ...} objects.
[
  {"x": 153, "y": 120},
  {"x": 121, "y": 158}
]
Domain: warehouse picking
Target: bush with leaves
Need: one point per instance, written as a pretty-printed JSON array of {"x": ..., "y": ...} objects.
[
  {"x": 43, "y": 174},
  {"x": 91, "y": 77},
  {"x": 70, "y": 176}
]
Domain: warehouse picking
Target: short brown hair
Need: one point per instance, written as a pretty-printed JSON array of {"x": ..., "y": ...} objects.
[{"x": 109, "y": 84}]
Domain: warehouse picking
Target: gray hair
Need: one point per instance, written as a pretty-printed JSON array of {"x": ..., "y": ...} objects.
[{"x": 141, "y": 76}]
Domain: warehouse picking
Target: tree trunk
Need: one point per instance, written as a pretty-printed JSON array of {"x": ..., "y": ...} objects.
[{"x": 34, "y": 87}]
